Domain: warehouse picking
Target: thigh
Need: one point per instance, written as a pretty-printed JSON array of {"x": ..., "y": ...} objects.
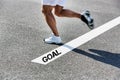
[
  {"x": 58, "y": 9},
  {"x": 47, "y": 8}
]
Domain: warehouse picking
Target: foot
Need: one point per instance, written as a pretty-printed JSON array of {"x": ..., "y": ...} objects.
[
  {"x": 53, "y": 40},
  {"x": 86, "y": 17}
]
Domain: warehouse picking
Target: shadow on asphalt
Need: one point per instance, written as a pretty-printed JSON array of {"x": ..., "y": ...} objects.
[
  {"x": 99, "y": 55},
  {"x": 102, "y": 56}
]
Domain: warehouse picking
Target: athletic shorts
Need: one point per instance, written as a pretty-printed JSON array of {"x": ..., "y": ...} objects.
[{"x": 53, "y": 2}]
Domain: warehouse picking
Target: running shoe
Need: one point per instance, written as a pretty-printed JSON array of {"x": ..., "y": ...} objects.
[
  {"x": 53, "y": 40},
  {"x": 86, "y": 17}
]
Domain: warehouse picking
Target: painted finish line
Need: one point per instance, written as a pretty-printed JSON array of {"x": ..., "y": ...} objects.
[{"x": 60, "y": 51}]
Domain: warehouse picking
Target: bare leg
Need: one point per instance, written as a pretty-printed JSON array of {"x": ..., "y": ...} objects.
[
  {"x": 47, "y": 10},
  {"x": 59, "y": 11}
]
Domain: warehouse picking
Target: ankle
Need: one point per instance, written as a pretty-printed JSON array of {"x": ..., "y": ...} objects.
[{"x": 57, "y": 35}]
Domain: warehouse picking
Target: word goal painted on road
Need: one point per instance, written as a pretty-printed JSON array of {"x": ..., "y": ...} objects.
[{"x": 62, "y": 50}]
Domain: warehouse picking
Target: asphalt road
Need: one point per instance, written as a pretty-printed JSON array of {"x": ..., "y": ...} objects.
[{"x": 22, "y": 29}]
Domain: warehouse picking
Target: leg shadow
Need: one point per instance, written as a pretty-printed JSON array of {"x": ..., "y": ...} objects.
[
  {"x": 99, "y": 55},
  {"x": 102, "y": 56}
]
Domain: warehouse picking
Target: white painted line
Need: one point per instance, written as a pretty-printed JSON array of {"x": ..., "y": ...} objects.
[{"x": 60, "y": 51}]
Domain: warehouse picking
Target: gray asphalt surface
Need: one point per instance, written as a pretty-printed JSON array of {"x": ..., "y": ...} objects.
[{"x": 22, "y": 29}]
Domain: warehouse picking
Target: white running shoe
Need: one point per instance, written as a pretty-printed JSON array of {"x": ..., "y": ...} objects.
[{"x": 53, "y": 40}]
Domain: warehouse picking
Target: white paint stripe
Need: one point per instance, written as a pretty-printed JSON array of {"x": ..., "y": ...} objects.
[{"x": 79, "y": 41}]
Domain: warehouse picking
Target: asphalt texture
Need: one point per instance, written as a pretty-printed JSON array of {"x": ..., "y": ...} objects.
[{"x": 23, "y": 28}]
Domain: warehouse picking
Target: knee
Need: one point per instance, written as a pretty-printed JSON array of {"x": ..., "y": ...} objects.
[
  {"x": 58, "y": 13},
  {"x": 46, "y": 11}
]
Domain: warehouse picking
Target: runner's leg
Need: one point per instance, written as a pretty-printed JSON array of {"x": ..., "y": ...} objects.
[
  {"x": 59, "y": 11},
  {"x": 47, "y": 11},
  {"x": 85, "y": 17}
]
